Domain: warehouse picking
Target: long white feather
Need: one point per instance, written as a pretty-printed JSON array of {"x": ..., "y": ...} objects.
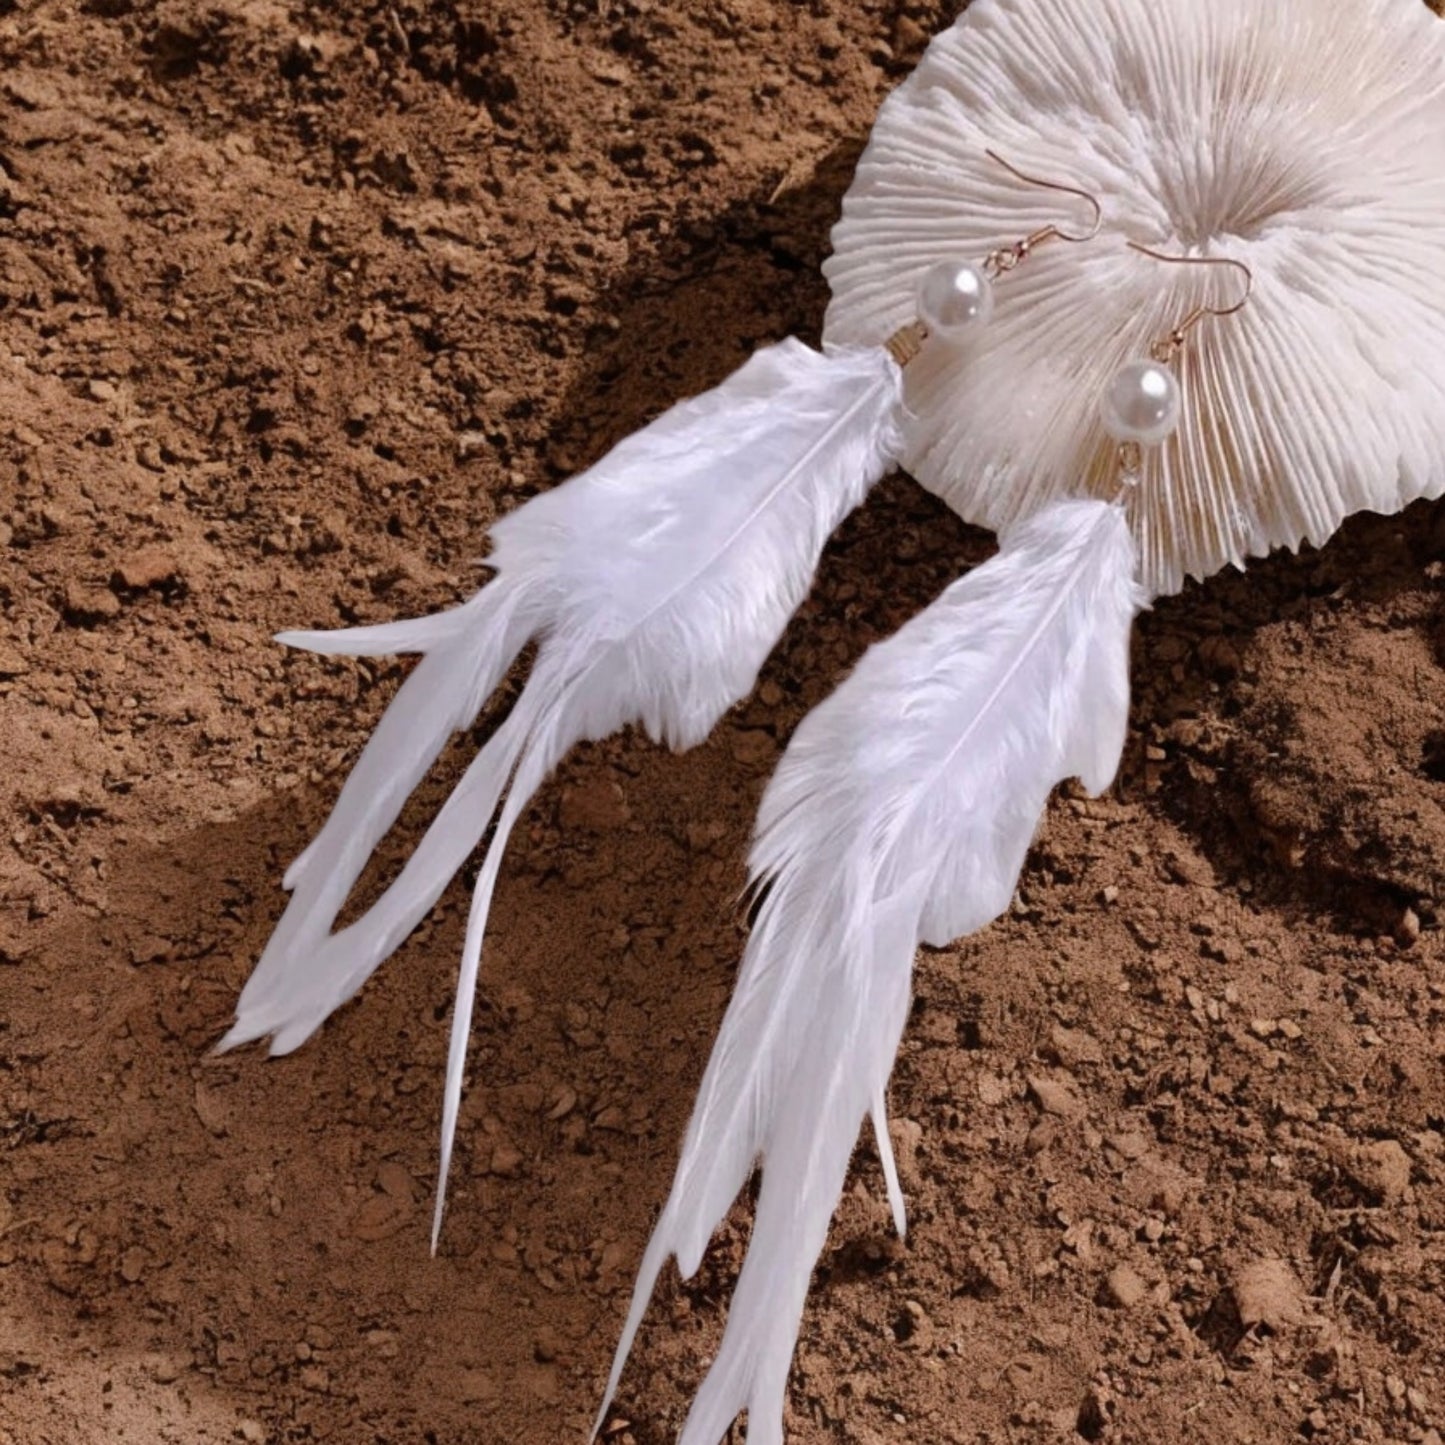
[
  {"x": 902, "y": 811},
  {"x": 656, "y": 584}
]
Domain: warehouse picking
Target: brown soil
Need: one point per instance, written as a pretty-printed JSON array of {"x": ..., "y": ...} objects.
[{"x": 295, "y": 298}]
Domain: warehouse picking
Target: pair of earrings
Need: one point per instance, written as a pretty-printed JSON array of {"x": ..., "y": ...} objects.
[
  {"x": 650, "y": 589},
  {"x": 1142, "y": 405},
  {"x": 902, "y": 813}
]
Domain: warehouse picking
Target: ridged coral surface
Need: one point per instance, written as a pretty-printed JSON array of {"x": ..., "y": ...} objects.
[{"x": 1305, "y": 140}]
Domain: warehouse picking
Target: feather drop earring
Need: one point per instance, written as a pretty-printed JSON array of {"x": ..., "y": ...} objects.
[
  {"x": 655, "y": 583},
  {"x": 901, "y": 813}
]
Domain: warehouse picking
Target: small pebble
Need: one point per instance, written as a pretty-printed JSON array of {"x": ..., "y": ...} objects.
[
  {"x": 1056, "y": 1098},
  {"x": 315, "y": 1377},
  {"x": 148, "y": 567},
  {"x": 1124, "y": 1287},
  {"x": 1407, "y": 930},
  {"x": 754, "y": 747},
  {"x": 165, "y": 1369},
  {"x": 563, "y": 1103},
  {"x": 1129, "y": 1145},
  {"x": 393, "y": 1179},
  {"x": 506, "y": 1159},
  {"x": 1382, "y": 1169},
  {"x": 1268, "y": 1292}
]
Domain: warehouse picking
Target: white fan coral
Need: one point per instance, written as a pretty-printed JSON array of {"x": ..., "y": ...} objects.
[{"x": 1306, "y": 140}]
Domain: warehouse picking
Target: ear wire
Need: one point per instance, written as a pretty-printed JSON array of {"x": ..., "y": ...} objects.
[
  {"x": 954, "y": 297},
  {"x": 1007, "y": 257},
  {"x": 1167, "y": 348},
  {"x": 1142, "y": 406}
]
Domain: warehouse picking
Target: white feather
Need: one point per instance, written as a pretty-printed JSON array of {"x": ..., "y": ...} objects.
[
  {"x": 306, "y": 972},
  {"x": 902, "y": 811},
  {"x": 657, "y": 583}
]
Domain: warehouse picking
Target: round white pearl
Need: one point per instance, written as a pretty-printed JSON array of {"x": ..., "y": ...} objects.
[
  {"x": 1142, "y": 403},
  {"x": 954, "y": 297}
]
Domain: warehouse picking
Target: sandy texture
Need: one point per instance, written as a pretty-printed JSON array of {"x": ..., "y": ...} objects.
[{"x": 294, "y": 300}]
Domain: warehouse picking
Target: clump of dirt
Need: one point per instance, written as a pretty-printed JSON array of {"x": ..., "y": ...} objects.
[{"x": 295, "y": 299}]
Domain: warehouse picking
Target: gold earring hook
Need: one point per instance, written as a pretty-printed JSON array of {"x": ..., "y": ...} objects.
[
  {"x": 1007, "y": 257},
  {"x": 907, "y": 342},
  {"x": 1167, "y": 348}
]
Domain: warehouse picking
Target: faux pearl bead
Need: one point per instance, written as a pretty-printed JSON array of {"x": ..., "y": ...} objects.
[
  {"x": 1142, "y": 403},
  {"x": 954, "y": 297}
]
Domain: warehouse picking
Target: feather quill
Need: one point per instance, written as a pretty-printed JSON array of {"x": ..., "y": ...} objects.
[
  {"x": 656, "y": 583},
  {"x": 902, "y": 811}
]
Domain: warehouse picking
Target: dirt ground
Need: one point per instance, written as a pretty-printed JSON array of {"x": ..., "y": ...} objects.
[{"x": 294, "y": 300}]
